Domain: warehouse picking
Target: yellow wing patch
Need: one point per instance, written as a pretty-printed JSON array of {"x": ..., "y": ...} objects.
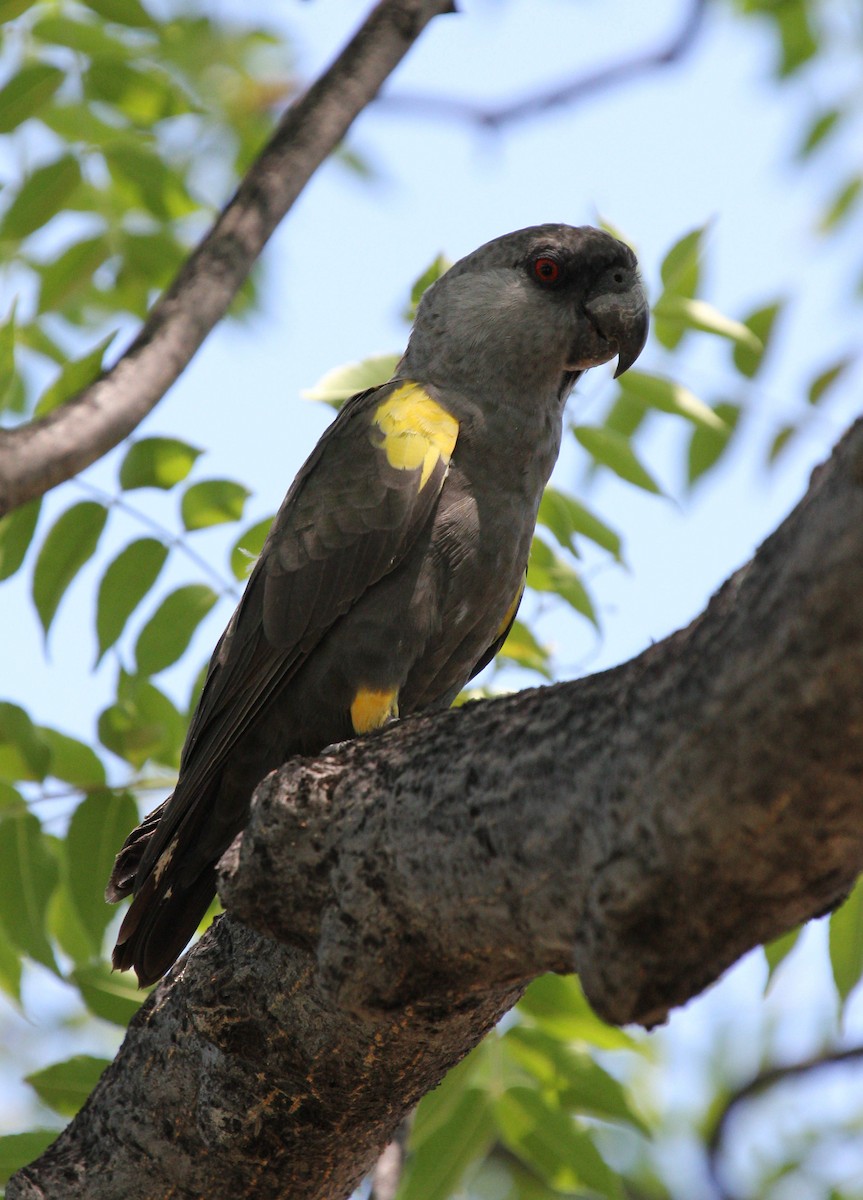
[
  {"x": 509, "y": 615},
  {"x": 371, "y": 709},
  {"x": 417, "y": 432}
]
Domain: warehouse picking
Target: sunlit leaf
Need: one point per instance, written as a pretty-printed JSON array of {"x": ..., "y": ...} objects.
[
  {"x": 10, "y": 968},
  {"x": 842, "y": 203},
  {"x": 439, "y": 1161},
  {"x": 148, "y": 180},
  {"x": 16, "y": 533},
  {"x": 213, "y": 502},
  {"x": 547, "y": 1139},
  {"x": 825, "y": 379},
  {"x": 567, "y": 518},
  {"x": 122, "y": 12},
  {"x": 247, "y": 548},
  {"x": 546, "y": 572},
  {"x": 72, "y": 761},
  {"x": 689, "y": 313},
  {"x": 71, "y": 272},
  {"x": 74, "y": 377},
  {"x": 612, "y": 450},
  {"x": 98, "y": 828},
  {"x": 168, "y": 632},
  {"x": 70, "y": 542},
  {"x": 28, "y": 876},
  {"x": 341, "y": 383},
  {"x": 143, "y": 724},
  {"x": 144, "y": 97},
  {"x": 64, "y": 1086},
  {"x": 110, "y": 995},
  {"x": 667, "y": 396},
  {"x": 19, "y": 1149},
  {"x": 681, "y": 277},
  {"x": 556, "y": 1004},
  {"x": 706, "y": 446},
  {"x": 521, "y": 647},
  {"x": 780, "y": 441},
  {"x": 42, "y": 195},
  {"x": 747, "y": 359},
  {"x": 24, "y": 753},
  {"x": 778, "y": 950},
  {"x": 846, "y": 942},
  {"x": 157, "y": 462},
  {"x": 124, "y": 585},
  {"x": 26, "y": 93},
  {"x": 82, "y": 34},
  {"x": 439, "y": 266},
  {"x": 818, "y": 130}
]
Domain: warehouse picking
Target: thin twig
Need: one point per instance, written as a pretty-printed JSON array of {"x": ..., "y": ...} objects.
[{"x": 564, "y": 94}]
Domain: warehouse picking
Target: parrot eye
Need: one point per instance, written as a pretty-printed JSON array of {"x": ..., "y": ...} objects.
[{"x": 546, "y": 269}]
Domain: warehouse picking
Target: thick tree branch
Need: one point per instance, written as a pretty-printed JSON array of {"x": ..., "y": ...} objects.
[
  {"x": 646, "y": 827},
  {"x": 561, "y": 95},
  {"x": 37, "y": 456}
]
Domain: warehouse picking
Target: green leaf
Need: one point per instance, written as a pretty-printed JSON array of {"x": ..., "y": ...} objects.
[
  {"x": 612, "y": 450},
  {"x": 123, "y": 12},
  {"x": 168, "y": 632},
  {"x": 85, "y": 36},
  {"x": 341, "y": 383},
  {"x": 8, "y": 374},
  {"x": 247, "y": 548},
  {"x": 748, "y": 360},
  {"x": 556, "y": 1004},
  {"x": 71, "y": 273},
  {"x": 64, "y": 1086},
  {"x": 566, "y": 517},
  {"x": 26, "y": 93},
  {"x": 111, "y": 996},
  {"x": 654, "y": 391},
  {"x": 548, "y": 573},
  {"x": 521, "y": 647},
  {"x": 547, "y": 1139},
  {"x": 681, "y": 277},
  {"x": 99, "y": 826},
  {"x": 778, "y": 950},
  {"x": 10, "y": 968},
  {"x": 70, "y": 542},
  {"x": 439, "y": 1161},
  {"x": 41, "y": 197},
  {"x": 142, "y": 725},
  {"x": 124, "y": 585},
  {"x": 75, "y": 375},
  {"x": 19, "y": 1149},
  {"x": 157, "y": 462},
  {"x": 438, "y": 1106},
  {"x": 819, "y": 129},
  {"x": 213, "y": 502},
  {"x": 439, "y": 266},
  {"x": 580, "y": 1083},
  {"x": 687, "y": 313},
  {"x": 825, "y": 380},
  {"x": 72, "y": 761},
  {"x": 16, "y": 533},
  {"x": 65, "y": 928},
  {"x": 842, "y": 203},
  {"x": 780, "y": 441},
  {"x": 28, "y": 876},
  {"x": 144, "y": 97},
  {"x": 24, "y": 753},
  {"x": 706, "y": 446},
  {"x": 846, "y": 942},
  {"x": 10, "y": 9},
  {"x": 796, "y": 35},
  {"x": 148, "y": 181}
]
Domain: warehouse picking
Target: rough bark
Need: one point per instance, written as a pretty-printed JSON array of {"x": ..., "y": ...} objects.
[
  {"x": 391, "y": 899},
  {"x": 37, "y": 456}
]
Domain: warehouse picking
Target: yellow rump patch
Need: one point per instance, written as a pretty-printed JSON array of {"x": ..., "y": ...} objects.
[
  {"x": 371, "y": 709},
  {"x": 417, "y": 431}
]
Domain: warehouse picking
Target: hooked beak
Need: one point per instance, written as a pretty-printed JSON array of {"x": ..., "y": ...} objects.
[{"x": 622, "y": 319}]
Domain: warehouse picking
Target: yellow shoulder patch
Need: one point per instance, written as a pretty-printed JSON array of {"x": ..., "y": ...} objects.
[
  {"x": 370, "y": 710},
  {"x": 417, "y": 432}
]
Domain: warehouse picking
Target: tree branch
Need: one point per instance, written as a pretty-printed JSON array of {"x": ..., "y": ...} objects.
[
  {"x": 390, "y": 900},
  {"x": 567, "y": 93},
  {"x": 37, "y": 456}
]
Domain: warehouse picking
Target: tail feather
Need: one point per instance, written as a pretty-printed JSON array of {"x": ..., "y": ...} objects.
[
  {"x": 127, "y": 862},
  {"x": 161, "y": 919}
]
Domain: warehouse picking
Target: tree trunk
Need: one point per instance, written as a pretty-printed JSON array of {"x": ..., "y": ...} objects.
[{"x": 391, "y": 899}]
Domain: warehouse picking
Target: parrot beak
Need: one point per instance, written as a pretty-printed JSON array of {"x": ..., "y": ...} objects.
[{"x": 622, "y": 319}]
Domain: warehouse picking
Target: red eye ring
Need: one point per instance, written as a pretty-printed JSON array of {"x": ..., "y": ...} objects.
[{"x": 546, "y": 269}]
